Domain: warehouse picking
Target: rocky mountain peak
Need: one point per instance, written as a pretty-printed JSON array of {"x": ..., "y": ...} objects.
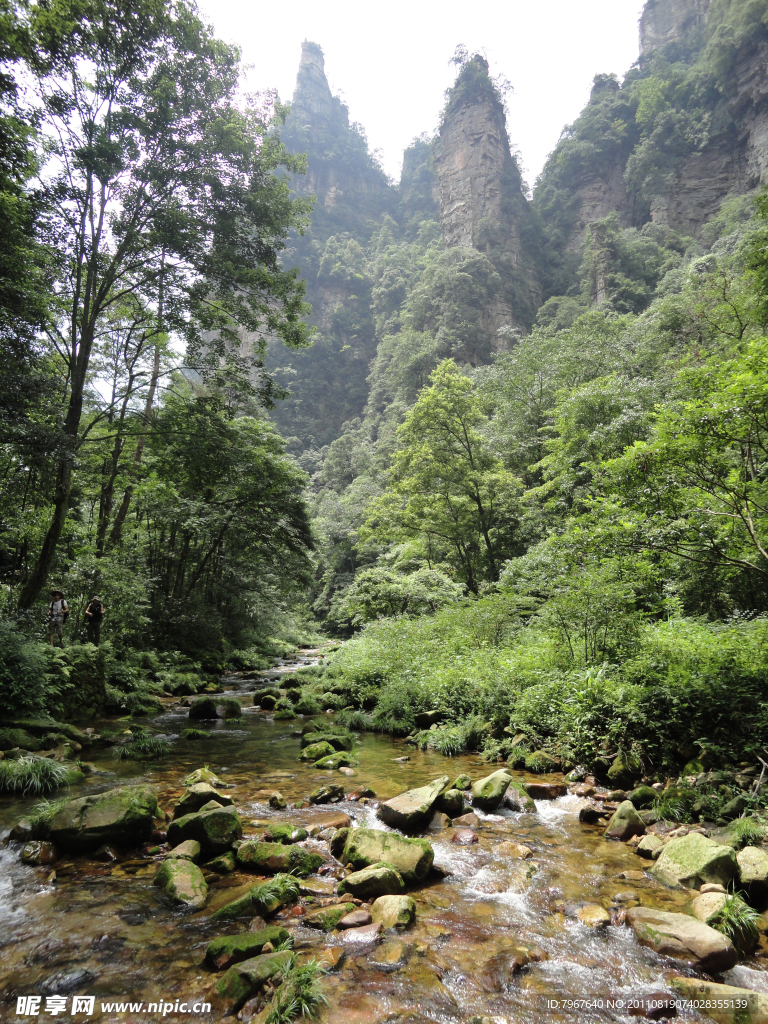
[
  {"x": 667, "y": 21},
  {"x": 312, "y": 96}
]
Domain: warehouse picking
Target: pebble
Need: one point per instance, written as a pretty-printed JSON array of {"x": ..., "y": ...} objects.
[
  {"x": 464, "y": 837},
  {"x": 368, "y": 933}
]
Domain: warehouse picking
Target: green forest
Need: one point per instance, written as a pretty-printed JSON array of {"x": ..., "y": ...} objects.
[{"x": 247, "y": 419}]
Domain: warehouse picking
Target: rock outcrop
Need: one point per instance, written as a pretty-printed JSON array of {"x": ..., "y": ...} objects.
[{"x": 671, "y": 21}]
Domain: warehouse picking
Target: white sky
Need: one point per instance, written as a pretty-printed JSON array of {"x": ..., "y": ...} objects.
[{"x": 389, "y": 60}]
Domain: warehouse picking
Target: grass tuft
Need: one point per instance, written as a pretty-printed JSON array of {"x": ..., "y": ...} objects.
[
  {"x": 143, "y": 745},
  {"x": 33, "y": 775},
  {"x": 299, "y": 995},
  {"x": 738, "y": 921}
]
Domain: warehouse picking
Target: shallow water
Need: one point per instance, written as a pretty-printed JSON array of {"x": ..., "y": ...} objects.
[{"x": 103, "y": 930}]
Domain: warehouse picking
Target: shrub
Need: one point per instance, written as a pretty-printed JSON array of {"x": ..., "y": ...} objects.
[
  {"x": 356, "y": 721},
  {"x": 30, "y": 678}
]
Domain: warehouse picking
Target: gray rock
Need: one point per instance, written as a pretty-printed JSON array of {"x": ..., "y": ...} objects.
[
  {"x": 410, "y": 811},
  {"x": 692, "y": 860},
  {"x": 684, "y": 937}
]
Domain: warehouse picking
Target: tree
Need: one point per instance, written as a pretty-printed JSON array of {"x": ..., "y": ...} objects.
[
  {"x": 446, "y": 485},
  {"x": 163, "y": 191}
]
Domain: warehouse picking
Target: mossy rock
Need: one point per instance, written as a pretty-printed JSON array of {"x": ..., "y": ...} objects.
[
  {"x": 335, "y": 761},
  {"x": 285, "y": 833},
  {"x": 339, "y": 740},
  {"x": 245, "y": 945},
  {"x": 394, "y": 911},
  {"x": 260, "y": 899},
  {"x": 215, "y": 829},
  {"x": 285, "y": 715},
  {"x": 224, "y": 864},
  {"x": 369, "y": 883},
  {"x": 314, "y": 751},
  {"x": 643, "y": 798},
  {"x": 451, "y": 803},
  {"x": 462, "y": 782},
  {"x": 489, "y": 792},
  {"x": 693, "y": 860},
  {"x": 325, "y": 794},
  {"x": 271, "y": 858},
  {"x": 10, "y": 738},
  {"x": 363, "y": 847},
  {"x": 202, "y": 775},
  {"x": 123, "y": 816},
  {"x": 540, "y": 762},
  {"x": 328, "y": 917},
  {"x": 203, "y": 709},
  {"x": 229, "y": 708},
  {"x": 267, "y": 701},
  {"x": 182, "y": 882},
  {"x": 195, "y": 797},
  {"x": 624, "y": 768},
  {"x": 247, "y": 978}
]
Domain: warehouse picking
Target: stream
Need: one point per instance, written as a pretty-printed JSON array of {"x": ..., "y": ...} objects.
[{"x": 104, "y": 929}]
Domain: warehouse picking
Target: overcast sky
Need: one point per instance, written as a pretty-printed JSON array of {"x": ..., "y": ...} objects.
[{"x": 390, "y": 60}]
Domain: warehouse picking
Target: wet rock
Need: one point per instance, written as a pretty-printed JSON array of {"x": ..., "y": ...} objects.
[
  {"x": 123, "y": 816},
  {"x": 489, "y": 792},
  {"x": 37, "y": 853},
  {"x": 317, "y": 887},
  {"x": 224, "y": 864},
  {"x": 617, "y": 796},
  {"x": 410, "y": 811},
  {"x": 514, "y": 851},
  {"x": 285, "y": 833},
  {"x": 753, "y": 870},
  {"x": 339, "y": 741},
  {"x": 462, "y": 782},
  {"x": 583, "y": 790},
  {"x": 271, "y": 858},
  {"x": 324, "y": 794},
  {"x": 188, "y": 850},
  {"x": 651, "y": 1005},
  {"x": 401, "y": 760},
  {"x": 215, "y": 829},
  {"x": 182, "y": 882},
  {"x": 738, "y": 1004},
  {"x": 589, "y": 813},
  {"x": 593, "y": 915},
  {"x": 362, "y": 936},
  {"x": 335, "y": 761},
  {"x": 107, "y": 854},
  {"x": 464, "y": 837},
  {"x": 260, "y": 899},
  {"x": 708, "y": 905},
  {"x": 315, "y": 751},
  {"x": 692, "y": 860},
  {"x": 650, "y": 847},
  {"x": 469, "y": 820},
  {"x": 349, "y": 772},
  {"x": 21, "y": 832},
  {"x": 357, "y": 919},
  {"x": 361, "y": 792},
  {"x": 517, "y": 799},
  {"x": 625, "y": 897},
  {"x": 643, "y": 797},
  {"x": 327, "y": 918},
  {"x": 684, "y": 937},
  {"x": 451, "y": 803},
  {"x": 227, "y": 950},
  {"x": 202, "y": 775},
  {"x": 439, "y": 822},
  {"x": 625, "y": 823},
  {"x": 577, "y": 774},
  {"x": 244, "y": 980},
  {"x": 330, "y": 820},
  {"x": 363, "y": 847},
  {"x": 545, "y": 790},
  {"x": 632, "y": 876},
  {"x": 203, "y": 709},
  {"x": 394, "y": 911},
  {"x": 196, "y": 796},
  {"x": 372, "y": 882}
]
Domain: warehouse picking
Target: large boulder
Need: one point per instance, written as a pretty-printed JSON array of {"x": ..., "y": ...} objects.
[
  {"x": 363, "y": 847},
  {"x": 196, "y": 796},
  {"x": 189, "y": 850},
  {"x": 411, "y": 810},
  {"x": 203, "y": 709},
  {"x": 231, "y": 949},
  {"x": 271, "y": 858},
  {"x": 122, "y": 816},
  {"x": 489, "y": 792},
  {"x": 245, "y": 979},
  {"x": 215, "y": 829},
  {"x": 693, "y": 860},
  {"x": 183, "y": 882},
  {"x": 338, "y": 740},
  {"x": 314, "y": 751},
  {"x": 516, "y": 798},
  {"x": 451, "y": 803},
  {"x": 681, "y": 936},
  {"x": 394, "y": 911},
  {"x": 625, "y": 823},
  {"x": 325, "y": 794},
  {"x": 370, "y": 883},
  {"x": 708, "y": 905},
  {"x": 650, "y": 846},
  {"x": 643, "y": 798},
  {"x": 753, "y": 870},
  {"x": 725, "y": 1003}
]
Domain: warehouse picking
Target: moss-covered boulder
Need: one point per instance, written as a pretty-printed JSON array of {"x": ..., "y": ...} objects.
[
  {"x": 196, "y": 796},
  {"x": 224, "y": 864},
  {"x": 182, "y": 882},
  {"x": 325, "y": 794},
  {"x": 643, "y": 798},
  {"x": 624, "y": 769},
  {"x": 215, "y": 829},
  {"x": 271, "y": 858},
  {"x": 516, "y": 798},
  {"x": 488, "y": 793},
  {"x": 189, "y": 850},
  {"x": 753, "y": 870},
  {"x": 241, "y": 947},
  {"x": 394, "y": 911},
  {"x": 268, "y": 701},
  {"x": 202, "y": 775},
  {"x": 328, "y": 917},
  {"x": 246, "y": 979},
  {"x": 122, "y": 816},
  {"x": 410, "y": 811},
  {"x": 625, "y": 823},
  {"x": 451, "y": 803},
  {"x": 203, "y": 709},
  {"x": 10, "y": 738},
  {"x": 314, "y": 751},
  {"x": 650, "y": 847},
  {"x": 339, "y": 740},
  {"x": 263, "y": 899},
  {"x": 540, "y": 762},
  {"x": 691, "y": 861},
  {"x": 335, "y": 761},
  {"x": 462, "y": 782},
  {"x": 229, "y": 707},
  {"x": 363, "y": 847},
  {"x": 284, "y": 832},
  {"x": 369, "y": 883}
]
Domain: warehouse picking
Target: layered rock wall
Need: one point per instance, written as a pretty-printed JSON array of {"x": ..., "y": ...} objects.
[{"x": 667, "y": 21}]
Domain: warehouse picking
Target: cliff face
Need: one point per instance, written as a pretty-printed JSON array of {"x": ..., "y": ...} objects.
[
  {"x": 482, "y": 204},
  {"x": 667, "y": 21}
]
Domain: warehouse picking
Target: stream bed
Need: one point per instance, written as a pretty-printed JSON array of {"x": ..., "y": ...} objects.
[{"x": 104, "y": 930}]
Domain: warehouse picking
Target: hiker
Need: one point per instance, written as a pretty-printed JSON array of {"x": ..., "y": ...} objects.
[
  {"x": 94, "y": 613},
  {"x": 58, "y": 610}
]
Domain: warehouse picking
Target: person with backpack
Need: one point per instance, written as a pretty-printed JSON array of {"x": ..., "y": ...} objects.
[
  {"x": 58, "y": 610},
  {"x": 94, "y": 613}
]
